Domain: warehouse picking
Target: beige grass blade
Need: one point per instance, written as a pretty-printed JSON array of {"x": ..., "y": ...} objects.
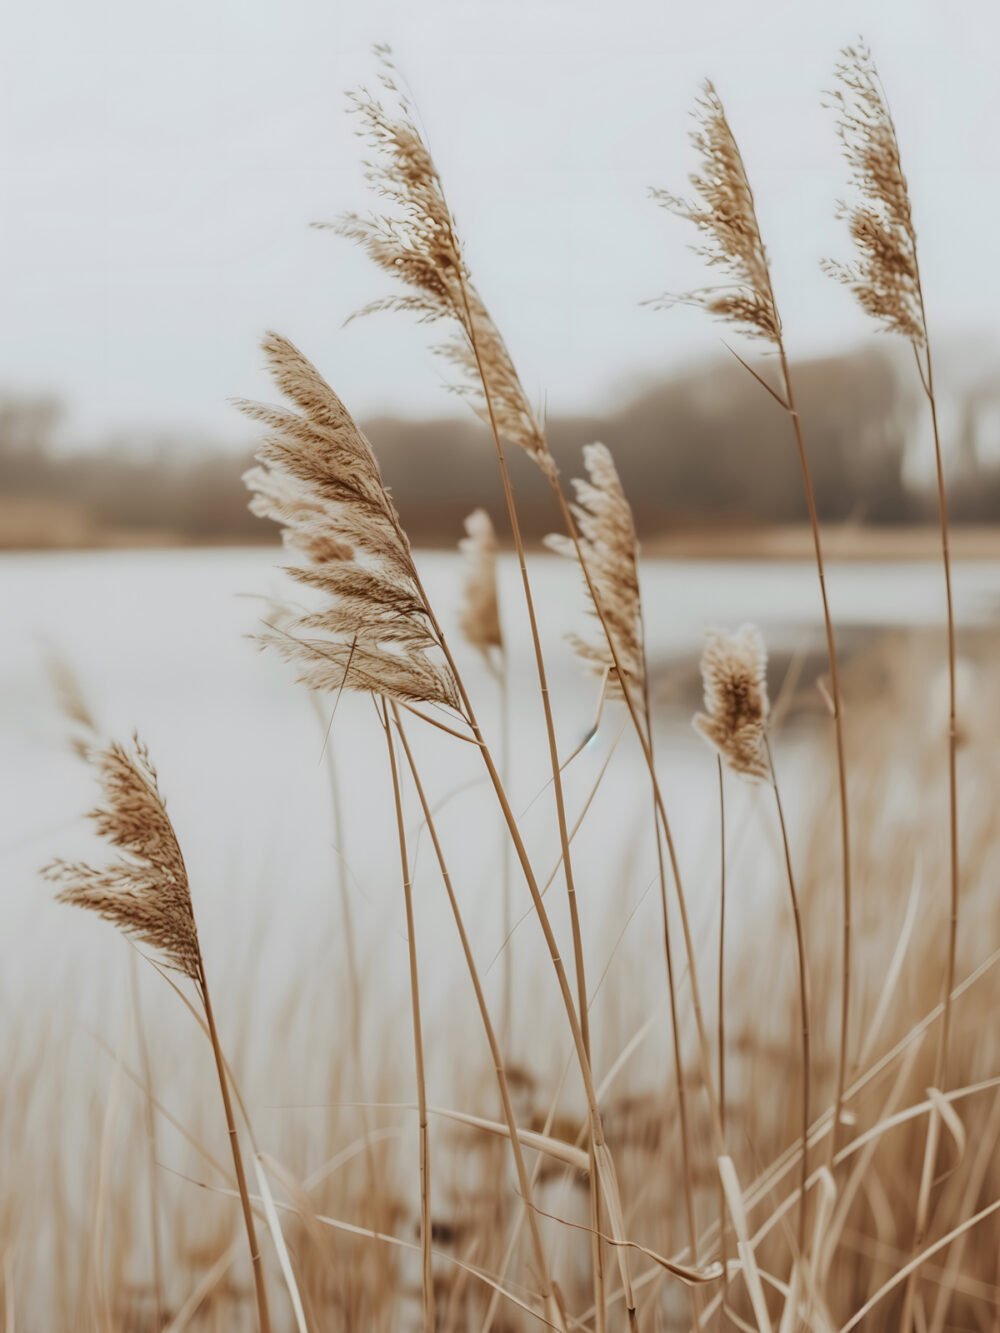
[
  {"x": 744, "y": 1248},
  {"x": 277, "y": 1235},
  {"x": 553, "y": 1147},
  {"x": 616, "y": 1219}
]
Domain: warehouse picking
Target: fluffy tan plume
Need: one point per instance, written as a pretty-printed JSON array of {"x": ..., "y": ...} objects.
[
  {"x": 318, "y": 478},
  {"x": 734, "y": 674},
  {"x": 479, "y": 617},
  {"x": 607, "y": 539},
  {"x": 723, "y": 211},
  {"x": 143, "y": 891},
  {"x": 413, "y": 239},
  {"x": 884, "y": 278}
]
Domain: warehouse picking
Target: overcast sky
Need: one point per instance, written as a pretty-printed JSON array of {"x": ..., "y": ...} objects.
[{"x": 160, "y": 164}]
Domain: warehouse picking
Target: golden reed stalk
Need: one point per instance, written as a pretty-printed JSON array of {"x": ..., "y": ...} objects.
[{"x": 885, "y": 280}]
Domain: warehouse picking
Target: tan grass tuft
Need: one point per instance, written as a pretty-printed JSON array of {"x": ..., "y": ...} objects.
[
  {"x": 734, "y": 672},
  {"x": 723, "y": 212},
  {"x": 609, "y": 546},
  {"x": 319, "y": 479},
  {"x": 884, "y": 278}
]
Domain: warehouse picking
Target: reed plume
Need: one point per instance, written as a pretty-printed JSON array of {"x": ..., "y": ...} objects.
[
  {"x": 606, "y": 530},
  {"x": 144, "y": 891},
  {"x": 726, "y": 216},
  {"x": 318, "y": 478},
  {"x": 734, "y": 675},
  {"x": 885, "y": 277},
  {"x": 413, "y": 238},
  {"x": 885, "y": 280},
  {"x": 724, "y": 213},
  {"x": 479, "y": 615}
]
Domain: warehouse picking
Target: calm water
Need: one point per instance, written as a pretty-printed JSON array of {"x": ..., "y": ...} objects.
[{"x": 159, "y": 642}]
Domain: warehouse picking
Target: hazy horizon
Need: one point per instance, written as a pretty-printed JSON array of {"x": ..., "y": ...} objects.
[{"x": 161, "y": 169}]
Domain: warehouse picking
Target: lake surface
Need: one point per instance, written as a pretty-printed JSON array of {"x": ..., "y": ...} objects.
[{"x": 159, "y": 642}]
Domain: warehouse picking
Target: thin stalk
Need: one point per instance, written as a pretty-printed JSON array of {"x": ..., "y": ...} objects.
[
  {"x": 150, "y": 1119},
  {"x": 524, "y": 1180},
  {"x": 838, "y": 730},
  {"x": 350, "y": 946},
  {"x": 682, "y": 1106},
  {"x": 722, "y": 1016},
  {"x": 682, "y": 1098},
  {"x": 803, "y": 1005},
  {"x": 260, "y": 1287},
  {"x": 553, "y": 1106},
  {"x": 426, "y": 1268},
  {"x": 926, "y": 373},
  {"x": 557, "y": 787},
  {"x": 507, "y": 1008},
  {"x": 928, "y": 386}
]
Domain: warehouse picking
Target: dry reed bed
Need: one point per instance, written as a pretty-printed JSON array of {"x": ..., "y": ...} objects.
[{"x": 792, "y": 1136}]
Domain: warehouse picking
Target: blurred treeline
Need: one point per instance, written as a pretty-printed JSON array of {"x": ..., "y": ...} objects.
[{"x": 706, "y": 449}]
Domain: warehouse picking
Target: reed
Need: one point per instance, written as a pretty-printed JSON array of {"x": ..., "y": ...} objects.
[
  {"x": 885, "y": 280},
  {"x": 144, "y": 891}
]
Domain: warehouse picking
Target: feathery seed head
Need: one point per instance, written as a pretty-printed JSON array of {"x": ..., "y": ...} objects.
[
  {"x": 606, "y": 530},
  {"x": 734, "y": 674},
  {"x": 318, "y": 477},
  {"x": 479, "y": 617},
  {"x": 143, "y": 891},
  {"x": 414, "y": 240},
  {"x": 724, "y": 214},
  {"x": 884, "y": 277}
]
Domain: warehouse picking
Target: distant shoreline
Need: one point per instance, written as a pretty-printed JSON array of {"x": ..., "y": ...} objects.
[
  {"x": 766, "y": 542},
  {"x": 840, "y": 542}
]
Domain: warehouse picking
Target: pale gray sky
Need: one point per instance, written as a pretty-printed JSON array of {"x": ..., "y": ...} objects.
[{"x": 160, "y": 162}]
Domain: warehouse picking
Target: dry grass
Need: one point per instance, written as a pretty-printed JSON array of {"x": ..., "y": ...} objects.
[
  {"x": 826, "y": 1162},
  {"x": 349, "y": 1282}
]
